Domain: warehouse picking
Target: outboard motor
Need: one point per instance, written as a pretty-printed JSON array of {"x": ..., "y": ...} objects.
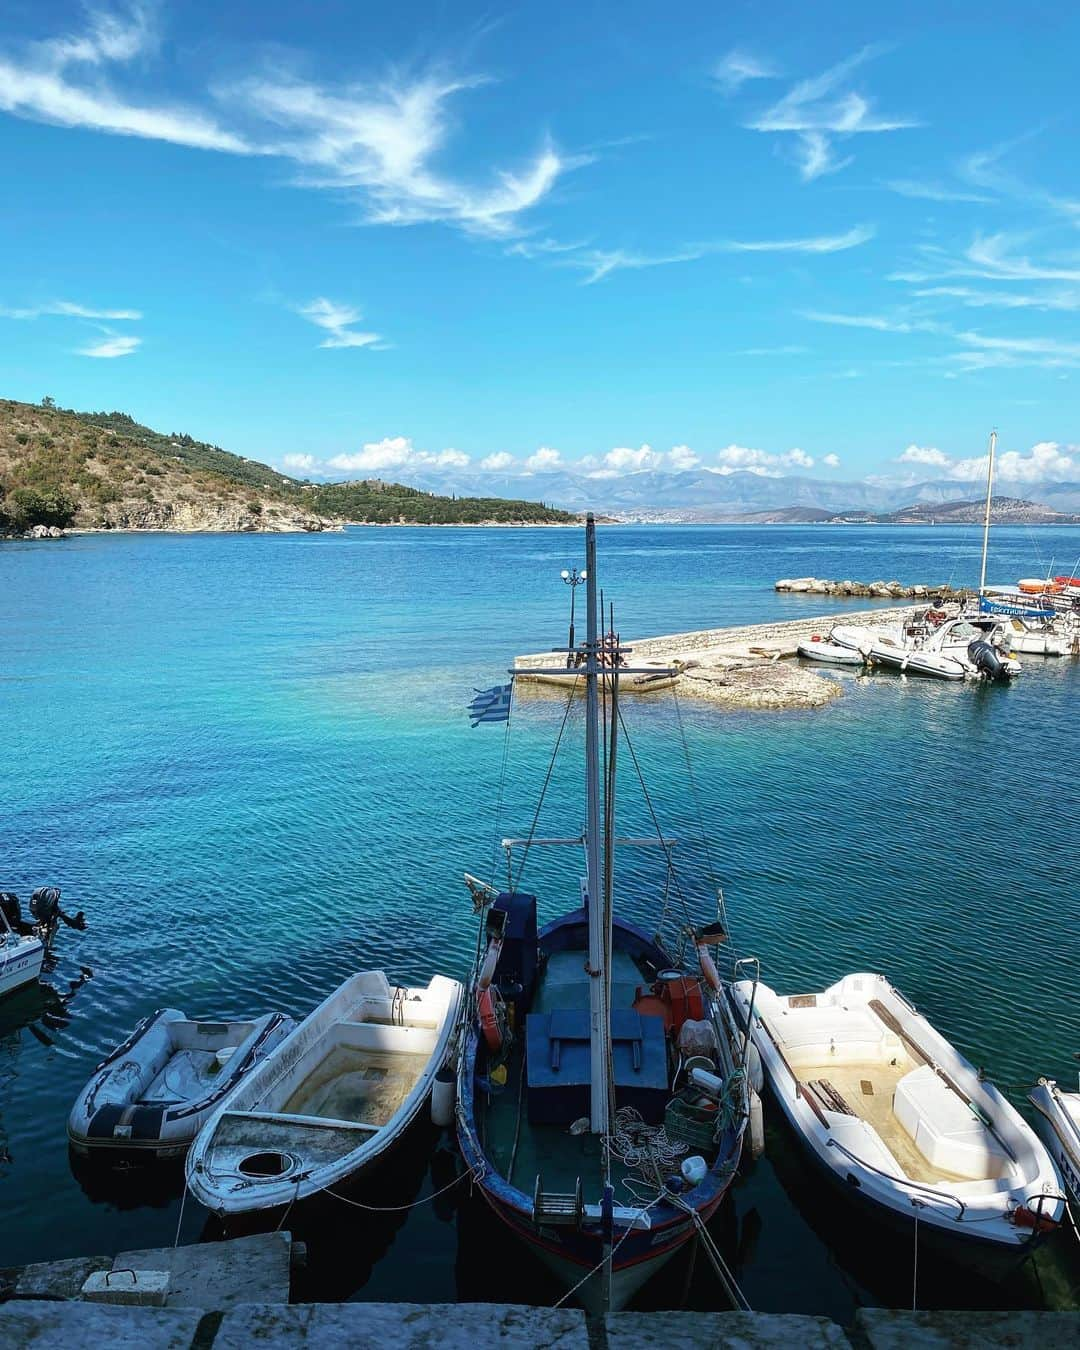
[
  {"x": 983, "y": 657},
  {"x": 47, "y": 914}
]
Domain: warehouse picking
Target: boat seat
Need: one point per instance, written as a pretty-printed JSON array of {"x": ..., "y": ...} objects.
[
  {"x": 380, "y": 1038},
  {"x": 813, "y": 1036},
  {"x": 945, "y": 1129},
  {"x": 559, "y": 1066}
]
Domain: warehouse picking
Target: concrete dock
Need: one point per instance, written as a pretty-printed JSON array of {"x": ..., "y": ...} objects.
[
  {"x": 746, "y": 666},
  {"x": 233, "y": 1295}
]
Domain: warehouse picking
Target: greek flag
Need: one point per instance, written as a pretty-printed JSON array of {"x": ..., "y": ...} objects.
[{"x": 491, "y": 705}]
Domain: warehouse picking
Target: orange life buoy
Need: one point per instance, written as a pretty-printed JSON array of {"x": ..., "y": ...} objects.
[{"x": 488, "y": 1011}]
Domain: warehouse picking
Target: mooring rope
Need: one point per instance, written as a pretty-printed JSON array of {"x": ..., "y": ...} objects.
[{"x": 474, "y": 1173}]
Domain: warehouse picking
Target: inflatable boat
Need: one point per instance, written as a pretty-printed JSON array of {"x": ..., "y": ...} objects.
[
  {"x": 900, "y": 1119},
  {"x": 152, "y": 1095}
]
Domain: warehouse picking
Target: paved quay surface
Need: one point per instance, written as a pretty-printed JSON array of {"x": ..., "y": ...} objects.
[
  {"x": 742, "y": 667},
  {"x": 233, "y": 1295}
]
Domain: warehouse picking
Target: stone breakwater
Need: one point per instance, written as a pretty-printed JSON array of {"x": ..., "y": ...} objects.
[
  {"x": 743, "y": 667},
  {"x": 870, "y": 590}
]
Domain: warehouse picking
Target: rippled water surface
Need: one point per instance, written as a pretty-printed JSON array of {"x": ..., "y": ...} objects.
[{"x": 247, "y": 758}]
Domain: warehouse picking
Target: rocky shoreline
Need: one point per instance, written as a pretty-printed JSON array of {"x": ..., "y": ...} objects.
[{"x": 871, "y": 590}]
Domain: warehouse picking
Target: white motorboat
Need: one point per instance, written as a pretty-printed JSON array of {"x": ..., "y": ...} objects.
[
  {"x": 1034, "y": 638},
  {"x": 330, "y": 1100},
  {"x": 910, "y": 660},
  {"x": 947, "y": 649},
  {"x": 899, "y": 1117},
  {"x": 830, "y": 653},
  {"x": 1060, "y": 1112},
  {"x": 24, "y": 944},
  {"x": 21, "y": 955},
  {"x": 154, "y": 1092}
]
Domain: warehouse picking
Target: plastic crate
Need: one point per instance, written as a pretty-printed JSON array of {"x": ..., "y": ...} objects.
[{"x": 692, "y": 1124}]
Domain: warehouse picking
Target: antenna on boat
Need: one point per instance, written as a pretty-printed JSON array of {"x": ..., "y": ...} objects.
[{"x": 986, "y": 521}]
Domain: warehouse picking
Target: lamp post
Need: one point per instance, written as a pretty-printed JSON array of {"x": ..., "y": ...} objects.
[{"x": 573, "y": 579}]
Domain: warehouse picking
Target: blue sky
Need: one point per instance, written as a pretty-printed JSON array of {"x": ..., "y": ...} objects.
[{"x": 355, "y": 238}]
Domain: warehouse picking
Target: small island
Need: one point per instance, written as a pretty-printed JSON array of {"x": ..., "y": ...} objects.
[{"x": 61, "y": 469}]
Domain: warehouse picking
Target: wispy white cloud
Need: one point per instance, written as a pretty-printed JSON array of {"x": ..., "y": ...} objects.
[
  {"x": 336, "y": 320},
  {"x": 878, "y": 322},
  {"x": 826, "y": 243},
  {"x": 932, "y": 192},
  {"x": 986, "y": 169},
  {"x": 59, "y": 80},
  {"x": 737, "y": 67},
  {"x": 67, "y": 309},
  {"x": 831, "y": 461},
  {"x": 601, "y": 263},
  {"x": 376, "y": 142},
  {"x": 381, "y": 140},
  {"x": 818, "y": 109},
  {"x": 302, "y": 463},
  {"x": 110, "y": 346},
  {"x": 990, "y": 352},
  {"x": 975, "y": 299}
]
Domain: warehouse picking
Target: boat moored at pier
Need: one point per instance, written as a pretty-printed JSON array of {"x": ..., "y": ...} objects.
[
  {"x": 897, "y": 1115},
  {"x": 330, "y": 1100},
  {"x": 1060, "y": 1115},
  {"x": 152, "y": 1095},
  {"x": 602, "y": 1099}
]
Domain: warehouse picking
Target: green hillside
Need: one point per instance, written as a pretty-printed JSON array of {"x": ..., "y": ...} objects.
[{"x": 104, "y": 470}]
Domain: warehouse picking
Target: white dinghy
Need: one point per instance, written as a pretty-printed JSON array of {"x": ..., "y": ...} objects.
[
  {"x": 1061, "y": 1115},
  {"x": 330, "y": 1100},
  {"x": 830, "y": 653},
  {"x": 154, "y": 1093},
  {"x": 893, "y": 1111}
]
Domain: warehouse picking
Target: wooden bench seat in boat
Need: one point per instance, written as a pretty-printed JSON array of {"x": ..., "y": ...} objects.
[
  {"x": 558, "y": 1064},
  {"x": 945, "y": 1130},
  {"x": 833, "y": 1035}
]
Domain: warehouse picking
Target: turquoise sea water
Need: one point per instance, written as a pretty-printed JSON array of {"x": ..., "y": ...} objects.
[{"x": 247, "y": 758}]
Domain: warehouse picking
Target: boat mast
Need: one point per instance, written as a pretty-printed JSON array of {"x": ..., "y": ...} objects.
[
  {"x": 598, "y": 1020},
  {"x": 986, "y": 521}
]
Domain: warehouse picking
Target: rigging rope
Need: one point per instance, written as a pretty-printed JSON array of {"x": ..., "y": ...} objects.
[
  {"x": 547, "y": 780},
  {"x": 655, "y": 821}
]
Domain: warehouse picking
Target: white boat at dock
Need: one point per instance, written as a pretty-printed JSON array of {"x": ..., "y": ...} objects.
[
  {"x": 927, "y": 643},
  {"x": 1060, "y": 1112},
  {"x": 154, "y": 1092},
  {"x": 830, "y": 653},
  {"x": 25, "y": 943},
  {"x": 330, "y": 1100},
  {"x": 895, "y": 1113}
]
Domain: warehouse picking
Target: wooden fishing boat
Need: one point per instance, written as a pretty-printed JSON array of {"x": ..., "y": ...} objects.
[
  {"x": 578, "y": 1111},
  {"x": 330, "y": 1100},
  {"x": 897, "y": 1115},
  {"x": 154, "y": 1092},
  {"x": 1060, "y": 1114}
]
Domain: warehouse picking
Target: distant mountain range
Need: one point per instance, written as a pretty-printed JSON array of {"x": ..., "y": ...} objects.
[{"x": 698, "y": 495}]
